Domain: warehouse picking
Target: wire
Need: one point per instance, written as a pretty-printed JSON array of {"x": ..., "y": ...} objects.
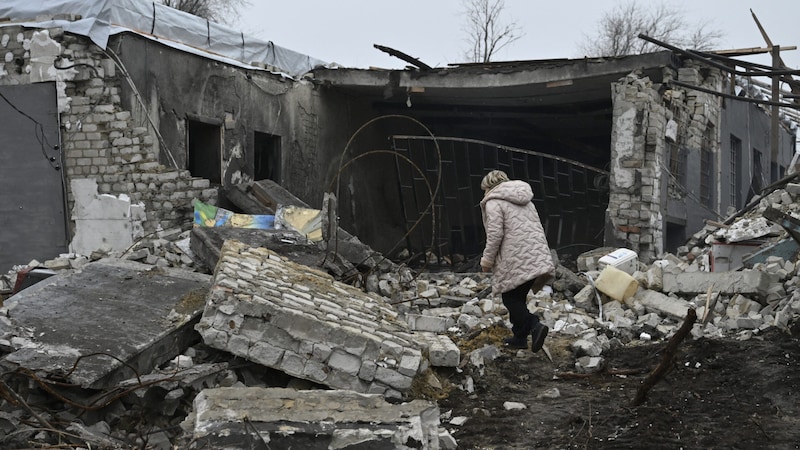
[
  {"x": 39, "y": 133},
  {"x": 434, "y": 192},
  {"x": 118, "y": 63}
]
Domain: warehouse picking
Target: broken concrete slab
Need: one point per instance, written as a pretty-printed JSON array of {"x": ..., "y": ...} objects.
[
  {"x": 289, "y": 317},
  {"x": 206, "y": 243},
  {"x": 108, "y": 321},
  {"x": 746, "y": 282},
  {"x": 663, "y": 305},
  {"x": 253, "y": 417}
]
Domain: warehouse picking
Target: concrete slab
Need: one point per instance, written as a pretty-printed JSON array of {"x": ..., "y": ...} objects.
[
  {"x": 262, "y": 195},
  {"x": 746, "y": 282},
  {"x": 236, "y": 418},
  {"x": 109, "y": 321},
  {"x": 302, "y": 322},
  {"x": 103, "y": 221}
]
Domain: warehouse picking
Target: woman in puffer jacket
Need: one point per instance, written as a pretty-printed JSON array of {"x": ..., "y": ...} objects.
[{"x": 516, "y": 252}]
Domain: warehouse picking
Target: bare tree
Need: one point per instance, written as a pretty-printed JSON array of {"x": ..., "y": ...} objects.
[
  {"x": 222, "y": 11},
  {"x": 618, "y": 31},
  {"x": 486, "y": 31}
]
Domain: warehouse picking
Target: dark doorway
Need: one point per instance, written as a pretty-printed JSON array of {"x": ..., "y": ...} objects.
[
  {"x": 267, "y": 157},
  {"x": 204, "y": 141},
  {"x": 676, "y": 236}
]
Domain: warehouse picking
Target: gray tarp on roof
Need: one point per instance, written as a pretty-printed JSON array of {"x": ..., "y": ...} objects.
[{"x": 100, "y": 19}]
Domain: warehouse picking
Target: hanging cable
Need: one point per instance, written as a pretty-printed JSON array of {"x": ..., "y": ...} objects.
[
  {"x": 40, "y": 135},
  {"x": 118, "y": 63}
]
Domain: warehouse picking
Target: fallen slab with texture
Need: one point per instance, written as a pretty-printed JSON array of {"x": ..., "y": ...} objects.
[
  {"x": 302, "y": 322},
  {"x": 109, "y": 321},
  {"x": 236, "y": 418}
]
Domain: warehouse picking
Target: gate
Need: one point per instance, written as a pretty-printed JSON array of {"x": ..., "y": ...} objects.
[{"x": 571, "y": 197}]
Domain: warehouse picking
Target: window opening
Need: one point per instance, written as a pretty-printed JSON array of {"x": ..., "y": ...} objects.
[{"x": 736, "y": 172}]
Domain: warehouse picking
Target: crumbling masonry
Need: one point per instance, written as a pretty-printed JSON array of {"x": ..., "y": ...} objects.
[
  {"x": 100, "y": 139},
  {"x": 282, "y": 315},
  {"x": 645, "y": 123}
]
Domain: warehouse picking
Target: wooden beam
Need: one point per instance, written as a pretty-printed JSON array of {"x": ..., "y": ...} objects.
[{"x": 793, "y": 85}]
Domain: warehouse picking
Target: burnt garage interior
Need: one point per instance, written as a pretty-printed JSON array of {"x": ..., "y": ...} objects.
[{"x": 548, "y": 122}]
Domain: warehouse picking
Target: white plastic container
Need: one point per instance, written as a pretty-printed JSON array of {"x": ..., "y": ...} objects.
[{"x": 623, "y": 259}]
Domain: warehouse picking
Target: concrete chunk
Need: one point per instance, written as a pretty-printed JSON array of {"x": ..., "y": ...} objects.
[
  {"x": 419, "y": 322},
  {"x": 656, "y": 302},
  {"x": 442, "y": 352},
  {"x": 747, "y": 282},
  {"x": 235, "y": 418}
]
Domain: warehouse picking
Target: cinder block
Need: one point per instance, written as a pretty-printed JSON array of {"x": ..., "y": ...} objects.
[{"x": 442, "y": 352}]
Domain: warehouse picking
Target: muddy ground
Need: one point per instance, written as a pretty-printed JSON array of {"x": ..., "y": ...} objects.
[{"x": 718, "y": 394}]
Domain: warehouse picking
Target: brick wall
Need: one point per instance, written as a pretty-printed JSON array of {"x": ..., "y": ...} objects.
[
  {"x": 639, "y": 157},
  {"x": 99, "y": 138}
]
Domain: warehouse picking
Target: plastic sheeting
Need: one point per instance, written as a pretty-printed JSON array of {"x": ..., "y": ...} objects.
[{"x": 99, "y": 19}]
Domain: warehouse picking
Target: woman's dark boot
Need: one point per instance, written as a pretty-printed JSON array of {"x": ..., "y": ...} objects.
[{"x": 538, "y": 334}]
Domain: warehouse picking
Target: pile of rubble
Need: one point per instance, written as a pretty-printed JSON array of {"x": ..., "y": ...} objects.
[{"x": 271, "y": 348}]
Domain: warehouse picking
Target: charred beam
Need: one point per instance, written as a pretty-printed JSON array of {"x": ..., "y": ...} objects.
[{"x": 409, "y": 59}]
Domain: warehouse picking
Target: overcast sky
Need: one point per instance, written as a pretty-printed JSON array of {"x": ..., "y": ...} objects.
[{"x": 344, "y": 31}]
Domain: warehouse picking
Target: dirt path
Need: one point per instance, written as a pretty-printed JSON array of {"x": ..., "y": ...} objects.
[{"x": 720, "y": 393}]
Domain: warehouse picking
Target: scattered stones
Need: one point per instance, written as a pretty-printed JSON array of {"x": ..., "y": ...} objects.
[{"x": 298, "y": 321}]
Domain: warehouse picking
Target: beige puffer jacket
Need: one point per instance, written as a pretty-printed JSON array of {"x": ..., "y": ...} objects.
[{"x": 516, "y": 245}]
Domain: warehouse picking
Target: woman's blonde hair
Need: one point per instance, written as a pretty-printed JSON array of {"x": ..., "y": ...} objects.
[{"x": 492, "y": 179}]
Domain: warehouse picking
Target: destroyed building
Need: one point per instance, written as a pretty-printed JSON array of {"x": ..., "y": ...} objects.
[
  {"x": 122, "y": 114},
  {"x": 620, "y": 151}
]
